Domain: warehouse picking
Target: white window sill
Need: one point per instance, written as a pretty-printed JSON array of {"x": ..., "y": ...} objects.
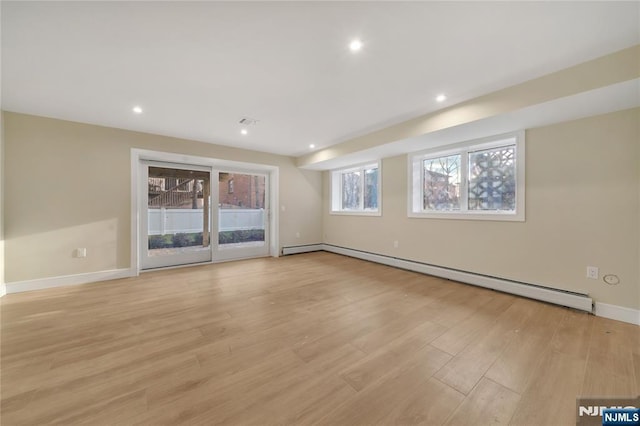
[
  {"x": 355, "y": 213},
  {"x": 495, "y": 216}
]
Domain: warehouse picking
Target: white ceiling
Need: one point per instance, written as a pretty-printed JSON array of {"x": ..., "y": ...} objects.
[
  {"x": 607, "y": 99},
  {"x": 198, "y": 67}
]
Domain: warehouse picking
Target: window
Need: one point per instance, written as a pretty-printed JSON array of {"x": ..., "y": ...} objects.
[
  {"x": 481, "y": 179},
  {"x": 356, "y": 190}
]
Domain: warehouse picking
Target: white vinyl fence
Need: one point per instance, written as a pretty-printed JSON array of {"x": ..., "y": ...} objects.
[{"x": 173, "y": 221}]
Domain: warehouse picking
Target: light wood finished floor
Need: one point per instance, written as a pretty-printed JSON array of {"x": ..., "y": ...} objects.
[{"x": 313, "y": 338}]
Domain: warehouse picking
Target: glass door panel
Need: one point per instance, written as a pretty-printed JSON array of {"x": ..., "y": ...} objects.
[
  {"x": 176, "y": 223},
  {"x": 242, "y": 215}
]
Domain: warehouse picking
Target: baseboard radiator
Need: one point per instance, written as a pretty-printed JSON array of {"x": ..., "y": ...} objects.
[
  {"x": 559, "y": 297},
  {"x": 302, "y": 249}
]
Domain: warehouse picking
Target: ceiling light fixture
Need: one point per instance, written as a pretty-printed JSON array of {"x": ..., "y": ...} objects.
[
  {"x": 137, "y": 109},
  {"x": 355, "y": 45},
  {"x": 441, "y": 98},
  {"x": 244, "y": 131},
  {"x": 312, "y": 146}
]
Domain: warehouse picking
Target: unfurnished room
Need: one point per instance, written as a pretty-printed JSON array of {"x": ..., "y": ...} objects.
[{"x": 320, "y": 212}]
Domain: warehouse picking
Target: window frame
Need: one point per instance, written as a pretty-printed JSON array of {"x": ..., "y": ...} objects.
[
  {"x": 415, "y": 175},
  {"x": 335, "y": 206}
]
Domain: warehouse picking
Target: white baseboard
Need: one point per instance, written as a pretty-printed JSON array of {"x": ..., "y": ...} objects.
[
  {"x": 558, "y": 297},
  {"x": 302, "y": 249},
  {"x": 3, "y": 290},
  {"x": 618, "y": 313},
  {"x": 91, "y": 277}
]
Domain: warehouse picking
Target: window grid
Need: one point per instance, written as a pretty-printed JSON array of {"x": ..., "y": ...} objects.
[
  {"x": 356, "y": 190},
  {"x": 491, "y": 181}
]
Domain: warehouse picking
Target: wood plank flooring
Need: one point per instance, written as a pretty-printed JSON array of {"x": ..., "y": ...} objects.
[{"x": 308, "y": 339}]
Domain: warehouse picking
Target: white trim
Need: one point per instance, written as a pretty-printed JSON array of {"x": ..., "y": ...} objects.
[
  {"x": 152, "y": 262},
  {"x": 222, "y": 254},
  {"x": 273, "y": 212},
  {"x": 618, "y": 313},
  {"x": 209, "y": 262},
  {"x": 415, "y": 179},
  {"x": 335, "y": 207},
  {"x": 478, "y": 215},
  {"x": 371, "y": 257},
  {"x": 138, "y": 155},
  {"x": 65, "y": 280},
  {"x": 356, "y": 212},
  {"x": 558, "y": 297},
  {"x": 307, "y": 248},
  {"x": 3, "y": 289},
  {"x": 135, "y": 220}
]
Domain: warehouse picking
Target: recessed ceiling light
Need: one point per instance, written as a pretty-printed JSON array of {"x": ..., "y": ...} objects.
[
  {"x": 312, "y": 146},
  {"x": 355, "y": 45},
  {"x": 137, "y": 110},
  {"x": 441, "y": 98},
  {"x": 244, "y": 131}
]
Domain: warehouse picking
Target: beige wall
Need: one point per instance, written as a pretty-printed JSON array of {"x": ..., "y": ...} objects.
[
  {"x": 68, "y": 186},
  {"x": 582, "y": 208},
  {"x": 1, "y": 202}
]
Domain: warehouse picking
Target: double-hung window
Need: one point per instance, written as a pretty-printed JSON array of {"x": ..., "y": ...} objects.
[
  {"x": 356, "y": 190},
  {"x": 481, "y": 179}
]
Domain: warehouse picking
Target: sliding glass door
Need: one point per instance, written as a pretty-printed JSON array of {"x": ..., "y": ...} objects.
[{"x": 193, "y": 214}]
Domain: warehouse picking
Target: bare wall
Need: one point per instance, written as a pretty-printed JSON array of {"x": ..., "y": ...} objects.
[
  {"x": 2, "y": 280},
  {"x": 582, "y": 208},
  {"x": 68, "y": 185}
]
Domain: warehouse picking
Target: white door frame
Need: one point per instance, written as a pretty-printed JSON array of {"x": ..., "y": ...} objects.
[
  {"x": 157, "y": 262},
  {"x": 138, "y": 155}
]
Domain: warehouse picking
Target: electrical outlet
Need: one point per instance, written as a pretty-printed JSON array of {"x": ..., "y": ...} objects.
[
  {"x": 611, "y": 279},
  {"x": 297, "y": 235},
  {"x": 81, "y": 252},
  {"x": 593, "y": 272},
  {"x": 395, "y": 244}
]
